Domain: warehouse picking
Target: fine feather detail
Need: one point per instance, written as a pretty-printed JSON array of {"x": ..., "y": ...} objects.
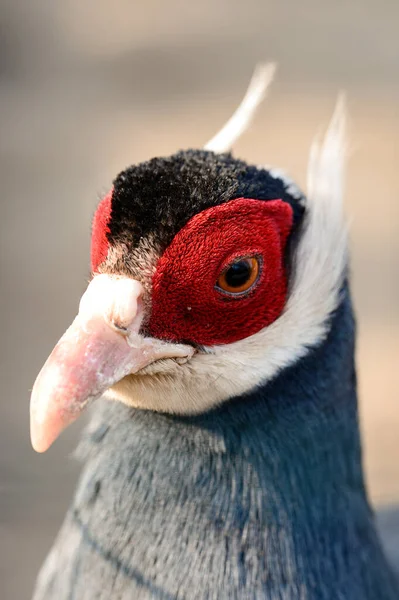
[
  {"x": 240, "y": 120},
  {"x": 319, "y": 265}
]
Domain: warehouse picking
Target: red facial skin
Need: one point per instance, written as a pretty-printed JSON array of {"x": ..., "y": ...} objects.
[
  {"x": 187, "y": 306},
  {"x": 100, "y": 229}
]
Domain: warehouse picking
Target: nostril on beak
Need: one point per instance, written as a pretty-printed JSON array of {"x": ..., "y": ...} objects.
[{"x": 119, "y": 327}]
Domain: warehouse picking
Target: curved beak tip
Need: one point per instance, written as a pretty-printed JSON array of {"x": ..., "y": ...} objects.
[
  {"x": 38, "y": 443},
  {"x": 43, "y": 434}
]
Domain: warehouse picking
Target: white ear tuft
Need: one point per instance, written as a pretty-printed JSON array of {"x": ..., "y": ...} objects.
[
  {"x": 326, "y": 168},
  {"x": 324, "y": 242},
  {"x": 239, "y": 122}
]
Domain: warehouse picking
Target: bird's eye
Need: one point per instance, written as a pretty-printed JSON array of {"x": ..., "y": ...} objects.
[{"x": 239, "y": 276}]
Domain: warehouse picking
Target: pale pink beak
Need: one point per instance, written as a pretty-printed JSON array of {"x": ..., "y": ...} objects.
[{"x": 100, "y": 348}]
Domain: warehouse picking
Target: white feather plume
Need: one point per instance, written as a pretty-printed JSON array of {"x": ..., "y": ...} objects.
[{"x": 240, "y": 120}]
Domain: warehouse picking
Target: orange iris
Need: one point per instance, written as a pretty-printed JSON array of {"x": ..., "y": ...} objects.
[{"x": 239, "y": 276}]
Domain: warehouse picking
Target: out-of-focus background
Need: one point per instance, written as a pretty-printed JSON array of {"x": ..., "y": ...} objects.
[{"x": 89, "y": 87}]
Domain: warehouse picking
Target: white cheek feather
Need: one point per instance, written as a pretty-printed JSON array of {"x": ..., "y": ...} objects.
[{"x": 319, "y": 266}]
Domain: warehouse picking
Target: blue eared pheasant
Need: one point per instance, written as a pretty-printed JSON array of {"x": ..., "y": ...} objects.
[{"x": 225, "y": 459}]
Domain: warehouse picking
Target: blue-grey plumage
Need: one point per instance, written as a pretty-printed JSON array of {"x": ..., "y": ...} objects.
[{"x": 261, "y": 498}]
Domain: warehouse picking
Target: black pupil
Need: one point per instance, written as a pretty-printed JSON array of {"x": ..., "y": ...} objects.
[{"x": 238, "y": 274}]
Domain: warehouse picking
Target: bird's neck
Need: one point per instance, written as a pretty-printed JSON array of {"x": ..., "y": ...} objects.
[{"x": 273, "y": 478}]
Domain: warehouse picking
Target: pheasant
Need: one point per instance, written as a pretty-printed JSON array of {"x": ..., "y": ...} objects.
[{"x": 224, "y": 460}]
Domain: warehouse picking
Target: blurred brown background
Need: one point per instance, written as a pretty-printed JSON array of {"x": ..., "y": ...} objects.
[{"x": 89, "y": 87}]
